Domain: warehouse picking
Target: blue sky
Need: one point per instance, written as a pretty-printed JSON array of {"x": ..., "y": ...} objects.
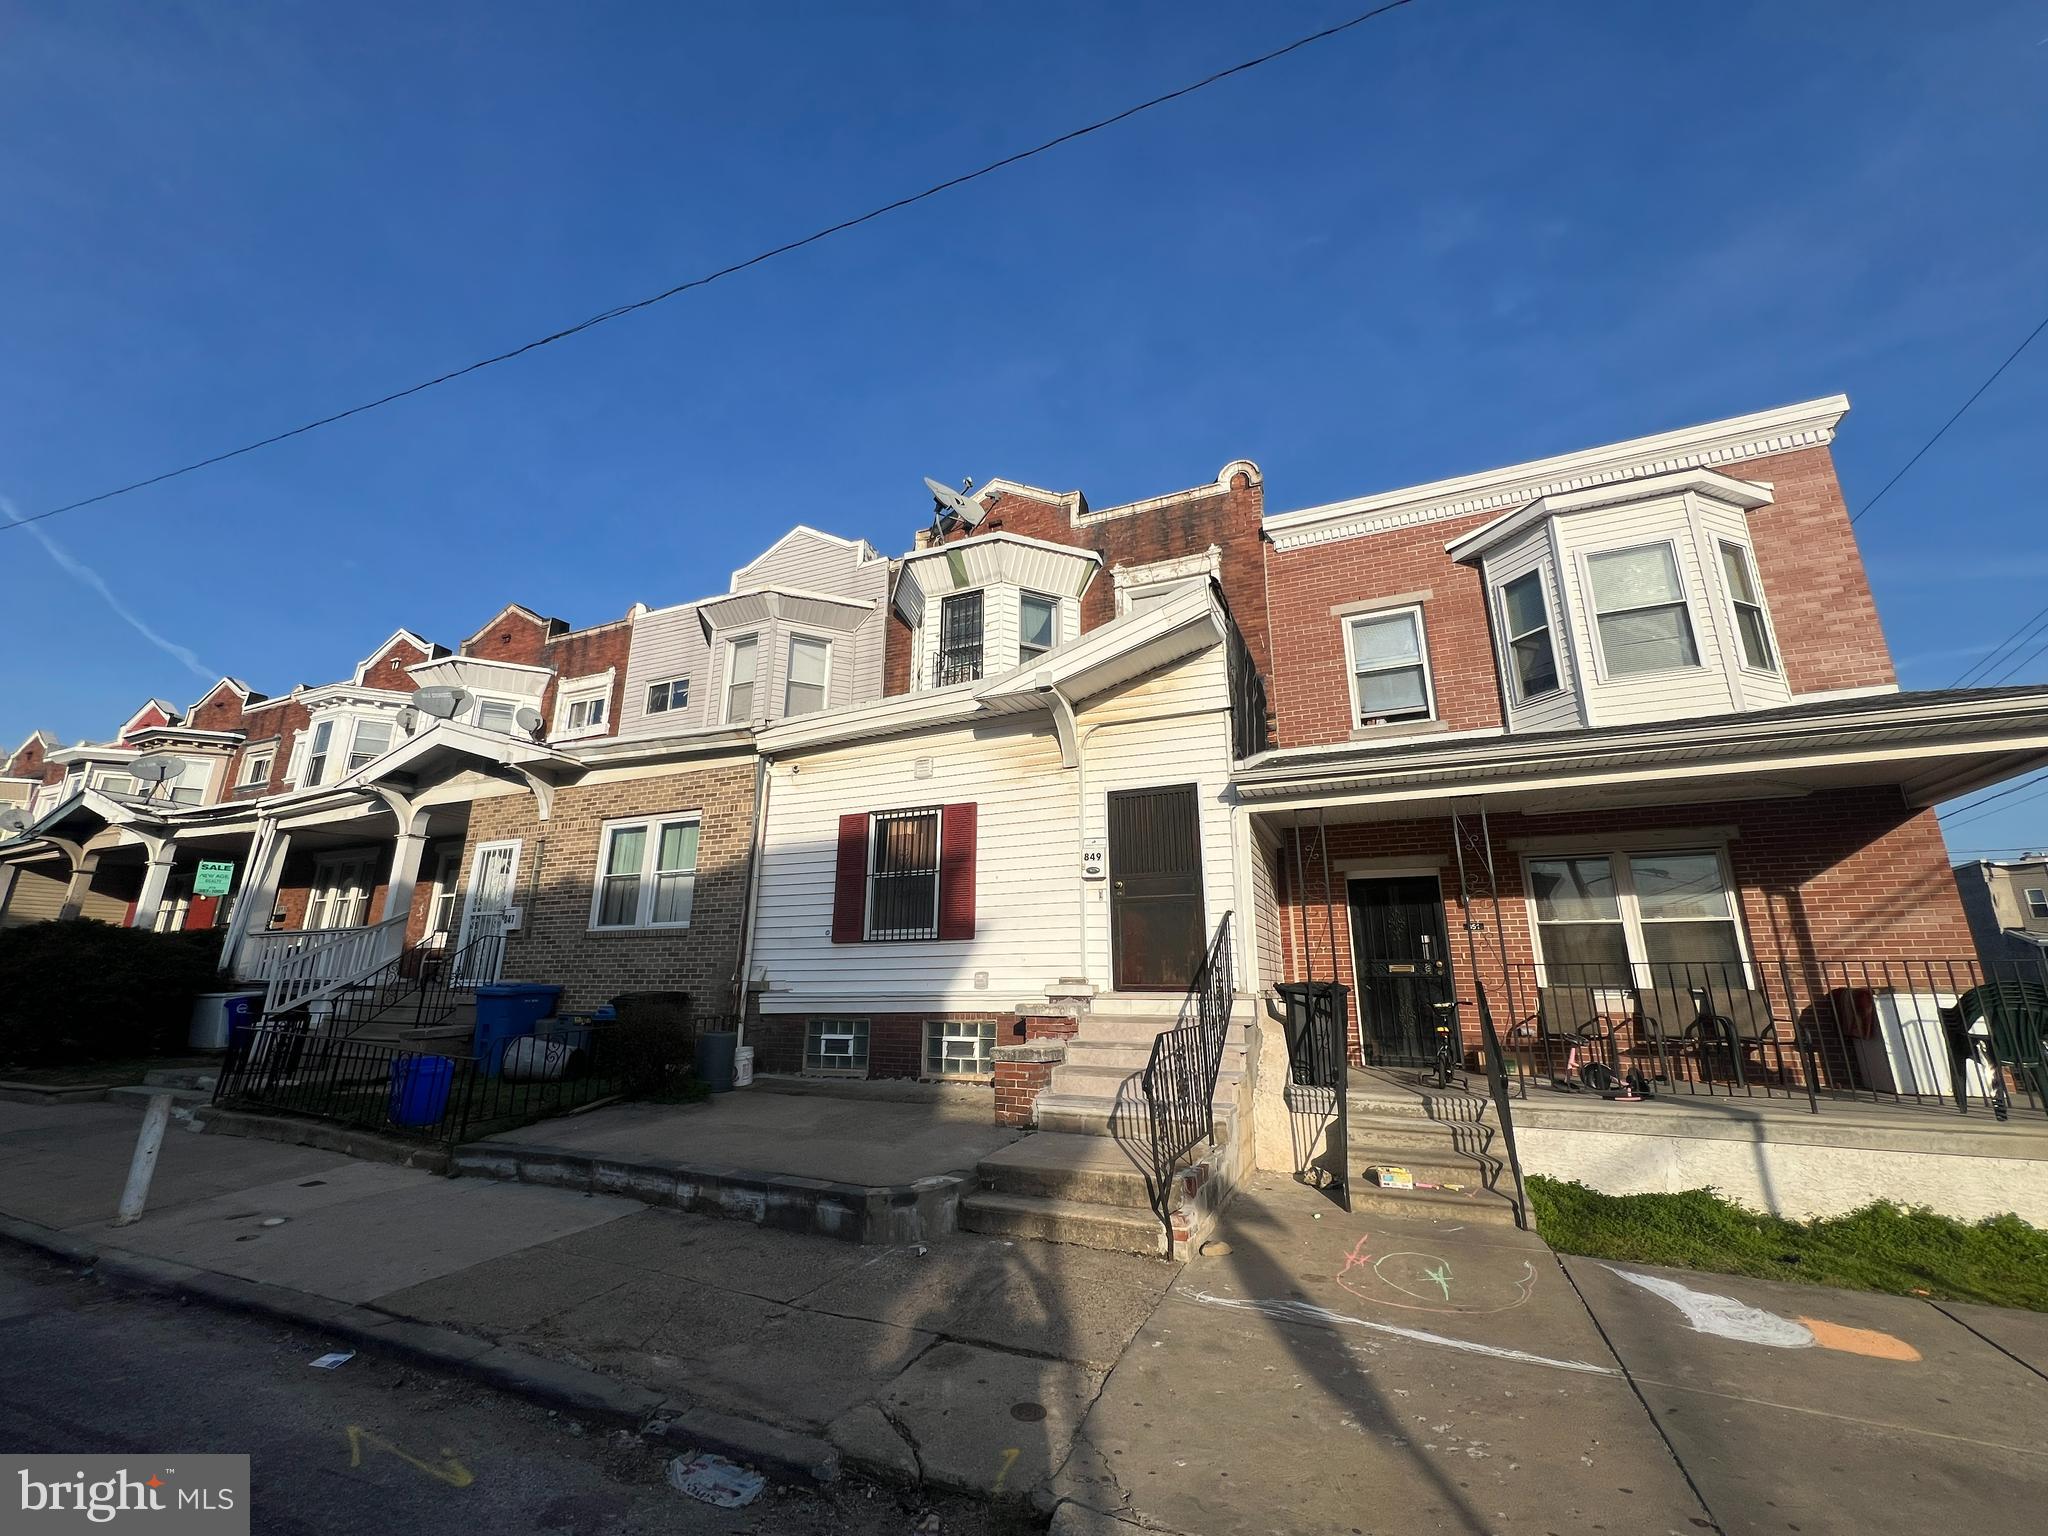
[{"x": 1462, "y": 235}]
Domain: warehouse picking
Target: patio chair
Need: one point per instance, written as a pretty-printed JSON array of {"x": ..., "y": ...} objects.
[
  {"x": 1726, "y": 1032},
  {"x": 1574, "y": 1016},
  {"x": 2016, "y": 1013}
]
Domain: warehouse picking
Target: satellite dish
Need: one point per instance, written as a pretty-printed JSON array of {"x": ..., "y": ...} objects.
[
  {"x": 13, "y": 820},
  {"x": 441, "y": 703},
  {"x": 157, "y": 767},
  {"x": 947, "y": 502},
  {"x": 527, "y": 719}
]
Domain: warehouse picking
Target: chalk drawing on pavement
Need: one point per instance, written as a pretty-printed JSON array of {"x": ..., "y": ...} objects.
[
  {"x": 1727, "y": 1318},
  {"x": 1308, "y": 1312},
  {"x": 451, "y": 1471},
  {"x": 1426, "y": 1282}
]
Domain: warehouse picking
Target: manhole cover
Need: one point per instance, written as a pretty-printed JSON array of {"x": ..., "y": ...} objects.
[{"x": 1029, "y": 1413}]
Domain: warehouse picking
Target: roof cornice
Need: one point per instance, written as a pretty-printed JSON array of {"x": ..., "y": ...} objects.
[{"x": 1808, "y": 424}]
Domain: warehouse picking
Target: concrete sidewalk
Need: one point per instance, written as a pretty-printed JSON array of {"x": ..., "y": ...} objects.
[{"x": 1329, "y": 1372}]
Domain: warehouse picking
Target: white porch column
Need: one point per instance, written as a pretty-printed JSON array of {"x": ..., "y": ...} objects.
[
  {"x": 405, "y": 874},
  {"x": 259, "y": 895},
  {"x": 156, "y": 876},
  {"x": 80, "y": 884}
]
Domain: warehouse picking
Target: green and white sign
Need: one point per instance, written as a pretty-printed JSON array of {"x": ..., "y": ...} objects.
[{"x": 216, "y": 877}]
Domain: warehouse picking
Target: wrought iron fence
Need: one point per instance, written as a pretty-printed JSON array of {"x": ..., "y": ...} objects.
[
  {"x": 421, "y": 987},
  {"x": 956, "y": 664},
  {"x": 451, "y": 1097},
  {"x": 1950, "y": 1033},
  {"x": 1496, "y": 1064},
  {"x": 1179, "y": 1081}
]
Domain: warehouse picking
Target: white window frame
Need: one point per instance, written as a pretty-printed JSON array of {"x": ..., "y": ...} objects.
[
  {"x": 348, "y": 762},
  {"x": 984, "y": 1032},
  {"x": 651, "y": 851},
  {"x": 1351, "y": 621},
  {"x": 1027, "y": 654},
  {"x": 938, "y": 815},
  {"x": 1736, "y": 605},
  {"x": 321, "y": 890},
  {"x": 789, "y": 673},
  {"x": 509, "y": 705},
  {"x": 319, "y": 753},
  {"x": 1508, "y": 637},
  {"x": 581, "y": 691},
  {"x": 669, "y": 685},
  {"x": 266, "y": 760},
  {"x": 853, "y": 1028},
  {"x": 1625, "y": 898},
  {"x": 447, "y": 887},
  {"x": 2037, "y": 901},
  {"x": 731, "y": 648},
  {"x": 1593, "y": 614},
  {"x": 105, "y": 782}
]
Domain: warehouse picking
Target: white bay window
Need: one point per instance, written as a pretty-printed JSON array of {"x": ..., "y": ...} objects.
[{"x": 1640, "y": 611}]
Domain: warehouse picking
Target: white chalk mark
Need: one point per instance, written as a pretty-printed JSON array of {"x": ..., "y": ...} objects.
[
  {"x": 1306, "y": 1312},
  {"x": 1724, "y": 1315}
]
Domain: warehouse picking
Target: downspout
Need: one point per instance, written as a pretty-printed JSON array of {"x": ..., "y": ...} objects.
[{"x": 762, "y": 780}]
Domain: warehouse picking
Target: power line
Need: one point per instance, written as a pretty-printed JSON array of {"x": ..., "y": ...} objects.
[
  {"x": 1978, "y": 811},
  {"x": 1895, "y": 479},
  {"x": 1999, "y": 651},
  {"x": 1977, "y": 797},
  {"x": 2025, "y": 661},
  {"x": 739, "y": 266}
]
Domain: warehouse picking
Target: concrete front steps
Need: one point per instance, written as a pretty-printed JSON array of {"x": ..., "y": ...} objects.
[
  {"x": 1097, "y": 1091},
  {"x": 1441, "y": 1136},
  {"x": 1066, "y": 1188}
]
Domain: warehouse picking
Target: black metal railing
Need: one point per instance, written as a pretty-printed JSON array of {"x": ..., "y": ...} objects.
[
  {"x": 1497, "y": 1064},
  {"x": 1949, "y": 1033},
  {"x": 449, "y": 1097},
  {"x": 1179, "y": 1081},
  {"x": 956, "y": 664}
]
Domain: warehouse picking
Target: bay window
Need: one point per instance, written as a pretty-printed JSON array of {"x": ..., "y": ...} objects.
[
  {"x": 371, "y": 741},
  {"x": 1748, "y": 605},
  {"x": 495, "y": 714},
  {"x": 1525, "y": 622},
  {"x": 316, "y": 755},
  {"x": 1662, "y": 913},
  {"x": 1037, "y": 626},
  {"x": 1389, "y": 668},
  {"x": 646, "y": 873},
  {"x": 740, "y": 658},
  {"x": 803, "y": 691},
  {"x": 960, "y": 632},
  {"x": 1640, "y": 610}
]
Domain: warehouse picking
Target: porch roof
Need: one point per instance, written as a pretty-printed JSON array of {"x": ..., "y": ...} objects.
[{"x": 1933, "y": 745}]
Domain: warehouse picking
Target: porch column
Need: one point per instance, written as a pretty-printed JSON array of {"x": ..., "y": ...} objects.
[
  {"x": 75, "y": 892},
  {"x": 259, "y": 895},
  {"x": 405, "y": 874},
  {"x": 156, "y": 876}
]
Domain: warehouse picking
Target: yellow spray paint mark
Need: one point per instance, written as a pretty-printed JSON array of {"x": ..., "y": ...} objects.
[
  {"x": 1859, "y": 1341},
  {"x": 450, "y": 1471},
  {"x": 1010, "y": 1456}
]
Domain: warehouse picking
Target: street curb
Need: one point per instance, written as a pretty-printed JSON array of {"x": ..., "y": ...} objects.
[
  {"x": 361, "y": 1145},
  {"x": 549, "y": 1383},
  {"x": 35, "y": 1093}
]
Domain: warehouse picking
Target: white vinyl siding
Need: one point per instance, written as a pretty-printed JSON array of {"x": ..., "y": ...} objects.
[{"x": 1031, "y": 901}]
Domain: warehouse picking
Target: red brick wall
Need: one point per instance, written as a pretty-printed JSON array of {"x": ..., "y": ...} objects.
[
  {"x": 1310, "y": 689},
  {"x": 272, "y": 727},
  {"x": 512, "y": 636},
  {"x": 895, "y": 1040},
  {"x": 570, "y": 652},
  {"x": 27, "y": 762},
  {"x": 1229, "y": 519},
  {"x": 387, "y": 669},
  {"x": 1845, "y": 875},
  {"x": 1819, "y": 595}
]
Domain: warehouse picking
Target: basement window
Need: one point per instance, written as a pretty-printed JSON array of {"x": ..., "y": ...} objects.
[
  {"x": 836, "y": 1047},
  {"x": 956, "y": 1048}
]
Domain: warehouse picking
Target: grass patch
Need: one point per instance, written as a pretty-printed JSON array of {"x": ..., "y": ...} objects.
[{"x": 1900, "y": 1250}]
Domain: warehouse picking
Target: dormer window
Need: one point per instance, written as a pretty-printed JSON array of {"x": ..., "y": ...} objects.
[
  {"x": 495, "y": 714},
  {"x": 1037, "y": 626},
  {"x": 1532, "y": 650},
  {"x": 1640, "y": 611},
  {"x": 740, "y": 659},
  {"x": 1748, "y": 605},
  {"x": 810, "y": 660},
  {"x": 960, "y": 634},
  {"x": 1389, "y": 668}
]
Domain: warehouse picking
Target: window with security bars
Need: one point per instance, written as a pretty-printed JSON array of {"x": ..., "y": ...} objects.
[
  {"x": 838, "y": 1046},
  {"x": 953, "y": 1048},
  {"x": 959, "y": 658},
  {"x": 903, "y": 875}
]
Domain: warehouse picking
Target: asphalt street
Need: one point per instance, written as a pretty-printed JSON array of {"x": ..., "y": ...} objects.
[{"x": 373, "y": 1446}]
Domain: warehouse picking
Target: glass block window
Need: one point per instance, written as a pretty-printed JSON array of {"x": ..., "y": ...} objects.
[
  {"x": 837, "y": 1046},
  {"x": 954, "y": 1048}
]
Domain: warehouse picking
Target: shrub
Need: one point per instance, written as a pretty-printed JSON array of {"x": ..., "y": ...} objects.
[{"x": 84, "y": 991}]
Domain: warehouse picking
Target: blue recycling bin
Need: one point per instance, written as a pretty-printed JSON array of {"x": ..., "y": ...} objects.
[
  {"x": 241, "y": 1013},
  {"x": 506, "y": 1010},
  {"x": 419, "y": 1089}
]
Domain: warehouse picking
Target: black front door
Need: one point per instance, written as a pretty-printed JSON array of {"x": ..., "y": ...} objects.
[
  {"x": 1404, "y": 967},
  {"x": 1155, "y": 889}
]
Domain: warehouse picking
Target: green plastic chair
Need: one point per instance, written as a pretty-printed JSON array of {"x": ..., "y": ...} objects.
[{"x": 2017, "y": 1014}]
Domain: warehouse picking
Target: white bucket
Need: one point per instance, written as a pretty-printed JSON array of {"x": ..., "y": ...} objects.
[{"x": 743, "y": 1067}]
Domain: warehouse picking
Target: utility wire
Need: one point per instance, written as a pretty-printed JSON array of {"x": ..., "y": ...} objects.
[
  {"x": 2025, "y": 661},
  {"x": 739, "y": 266},
  {"x": 1895, "y": 479},
  {"x": 2023, "y": 799},
  {"x": 2000, "y": 651},
  {"x": 1976, "y": 808}
]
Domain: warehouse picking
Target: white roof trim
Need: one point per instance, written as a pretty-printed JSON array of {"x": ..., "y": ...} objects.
[
  {"x": 1004, "y": 536},
  {"x": 1111, "y": 640},
  {"x": 424, "y": 647},
  {"x": 1746, "y": 494},
  {"x": 867, "y": 552},
  {"x": 1808, "y": 424},
  {"x": 457, "y": 659},
  {"x": 519, "y": 608}
]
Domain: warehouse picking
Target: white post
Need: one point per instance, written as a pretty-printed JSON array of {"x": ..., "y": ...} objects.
[
  {"x": 259, "y": 895},
  {"x": 156, "y": 877},
  {"x": 78, "y": 887},
  {"x": 143, "y": 1165},
  {"x": 405, "y": 874}
]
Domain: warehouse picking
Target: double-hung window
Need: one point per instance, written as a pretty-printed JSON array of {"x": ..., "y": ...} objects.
[
  {"x": 810, "y": 661},
  {"x": 1389, "y": 667},
  {"x": 2037, "y": 902},
  {"x": 903, "y": 875},
  {"x": 1037, "y": 626},
  {"x": 668, "y": 695},
  {"x": 1532, "y": 651},
  {"x": 1748, "y": 604},
  {"x": 256, "y": 769},
  {"x": 1669, "y": 915},
  {"x": 740, "y": 660},
  {"x": 1640, "y": 610},
  {"x": 582, "y": 708},
  {"x": 646, "y": 874},
  {"x": 959, "y": 658},
  {"x": 316, "y": 755},
  {"x": 371, "y": 741},
  {"x": 495, "y": 714}
]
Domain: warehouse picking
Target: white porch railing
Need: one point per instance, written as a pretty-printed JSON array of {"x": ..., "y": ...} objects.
[{"x": 303, "y": 966}]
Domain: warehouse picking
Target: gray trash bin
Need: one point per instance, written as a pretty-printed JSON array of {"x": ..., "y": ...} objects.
[{"x": 715, "y": 1051}]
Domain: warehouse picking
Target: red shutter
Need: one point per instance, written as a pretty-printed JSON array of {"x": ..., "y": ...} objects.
[
  {"x": 956, "y": 871},
  {"x": 850, "y": 887}
]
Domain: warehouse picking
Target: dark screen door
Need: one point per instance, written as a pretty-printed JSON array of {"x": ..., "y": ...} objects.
[
  {"x": 1403, "y": 962},
  {"x": 1155, "y": 890}
]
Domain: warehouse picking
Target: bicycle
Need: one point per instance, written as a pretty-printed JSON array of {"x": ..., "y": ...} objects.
[{"x": 1446, "y": 1027}]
